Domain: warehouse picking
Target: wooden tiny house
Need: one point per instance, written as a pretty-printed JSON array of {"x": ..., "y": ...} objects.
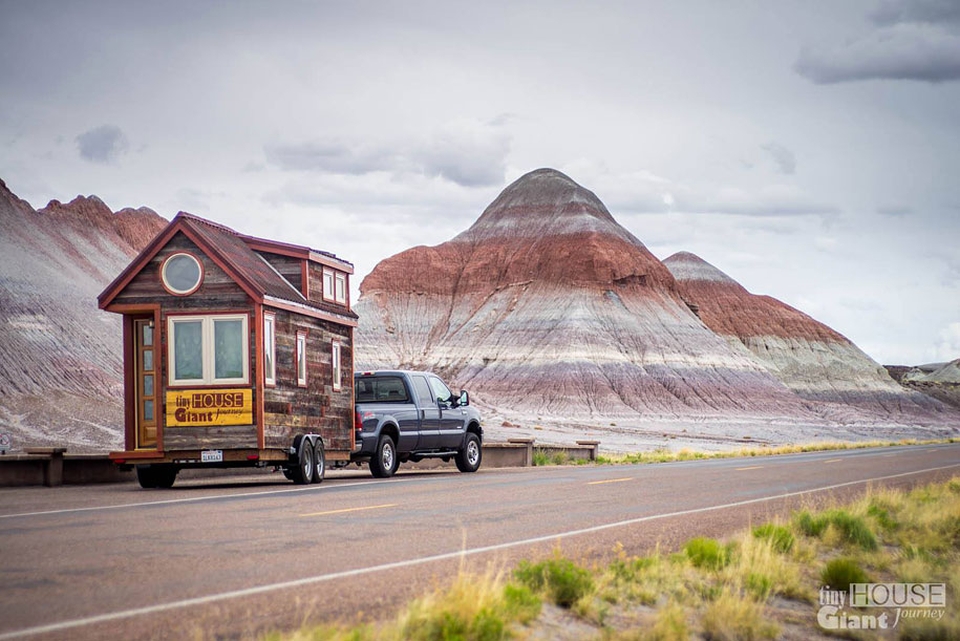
[{"x": 238, "y": 351}]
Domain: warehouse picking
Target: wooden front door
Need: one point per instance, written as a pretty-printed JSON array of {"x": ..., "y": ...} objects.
[{"x": 146, "y": 371}]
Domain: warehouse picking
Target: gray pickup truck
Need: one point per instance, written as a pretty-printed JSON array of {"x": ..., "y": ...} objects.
[{"x": 409, "y": 416}]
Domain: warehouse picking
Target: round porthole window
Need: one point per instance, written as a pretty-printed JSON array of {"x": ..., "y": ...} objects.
[{"x": 181, "y": 274}]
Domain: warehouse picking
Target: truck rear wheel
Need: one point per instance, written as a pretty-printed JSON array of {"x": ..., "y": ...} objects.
[
  {"x": 384, "y": 462},
  {"x": 468, "y": 459},
  {"x": 302, "y": 473}
]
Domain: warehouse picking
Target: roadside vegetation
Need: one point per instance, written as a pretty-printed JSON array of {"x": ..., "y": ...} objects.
[
  {"x": 547, "y": 456},
  {"x": 760, "y": 584}
]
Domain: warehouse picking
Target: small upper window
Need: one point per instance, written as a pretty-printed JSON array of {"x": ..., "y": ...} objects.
[
  {"x": 181, "y": 274},
  {"x": 334, "y": 286}
]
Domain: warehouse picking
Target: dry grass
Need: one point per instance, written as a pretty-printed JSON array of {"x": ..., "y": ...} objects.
[{"x": 665, "y": 455}]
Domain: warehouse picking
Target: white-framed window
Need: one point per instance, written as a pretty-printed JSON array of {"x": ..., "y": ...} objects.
[
  {"x": 340, "y": 287},
  {"x": 302, "y": 359},
  {"x": 334, "y": 286},
  {"x": 335, "y": 362},
  {"x": 269, "y": 348},
  {"x": 208, "y": 350}
]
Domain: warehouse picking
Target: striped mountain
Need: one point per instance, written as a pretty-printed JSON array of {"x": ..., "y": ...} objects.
[
  {"x": 813, "y": 360},
  {"x": 60, "y": 370},
  {"x": 546, "y": 307}
]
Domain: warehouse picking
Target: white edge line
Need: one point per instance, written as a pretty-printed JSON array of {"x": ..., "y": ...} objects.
[
  {"x": 191, "y": 499},
  {"x": 223, "y": 596}
]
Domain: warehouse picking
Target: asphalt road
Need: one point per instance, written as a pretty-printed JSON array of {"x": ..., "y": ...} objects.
[{"x": 231, "y": 558}]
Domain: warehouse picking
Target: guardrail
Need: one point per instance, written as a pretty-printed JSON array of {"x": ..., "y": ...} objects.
[{"x": 53, "y": 466}]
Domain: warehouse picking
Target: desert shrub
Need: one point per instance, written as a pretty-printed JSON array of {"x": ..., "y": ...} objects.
[
  {"x": 541, "y": 458},
  {"x": 808, "y": 524},
  {"x": 561, "y": 580},
  {"x": 520, "y": 603},
  {"x": 840, "y": 573},
  {"x": 732, "y": 617},
  {"x": 851, "y": 528},
  {"x": 779, "y": 536},
  {"x": 706, "y": 553}
]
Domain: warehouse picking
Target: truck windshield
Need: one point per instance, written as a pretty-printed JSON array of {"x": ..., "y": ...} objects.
[{"x": 382, "y": 389}]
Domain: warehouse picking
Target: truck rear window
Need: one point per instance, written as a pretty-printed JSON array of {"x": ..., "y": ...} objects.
[{"x": 382, "y": 389}]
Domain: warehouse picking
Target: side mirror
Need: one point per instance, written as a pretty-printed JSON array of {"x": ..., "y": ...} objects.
[{"x": 464, "y": 398}]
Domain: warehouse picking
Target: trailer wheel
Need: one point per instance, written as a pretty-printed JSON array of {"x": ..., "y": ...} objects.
[
  {"x": 166, "y": 476},
  {"x": 146, "y": 476},
  {"x": 468, "y": 459},
  {"x": 302, "y": 473},
  {"x": 384, "y": 462},
  {"x": 319, "y": 462}
]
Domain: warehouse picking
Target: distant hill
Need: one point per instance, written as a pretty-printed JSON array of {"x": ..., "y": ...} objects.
[{"x": 60, "y": 369}]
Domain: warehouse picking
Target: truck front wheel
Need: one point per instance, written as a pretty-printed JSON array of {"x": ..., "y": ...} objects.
[
  {"x": 468, "y": 459},
  {"x": 384, "y": 462}
]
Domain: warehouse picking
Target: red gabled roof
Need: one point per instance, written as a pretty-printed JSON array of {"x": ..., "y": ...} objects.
[{"x": 233, "y": 253}]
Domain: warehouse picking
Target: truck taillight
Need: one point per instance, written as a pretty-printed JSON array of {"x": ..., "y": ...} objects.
[{"x": 358, "y": 421}]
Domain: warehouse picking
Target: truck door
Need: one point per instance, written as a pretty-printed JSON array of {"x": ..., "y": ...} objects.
[
  {"x": 451, "y": 418},
  {"x": 429, "y": 414}
]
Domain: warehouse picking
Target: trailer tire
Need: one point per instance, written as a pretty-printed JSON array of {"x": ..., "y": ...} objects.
[
  {"x": 146, "y": 477},
  {"x": 166, "y": 476},
  {"x": 302, "y": 471},
  {"x": 319, "y": 462},
  {"x": 384, "y": 462},
  {"x": 468, "y": 459}
]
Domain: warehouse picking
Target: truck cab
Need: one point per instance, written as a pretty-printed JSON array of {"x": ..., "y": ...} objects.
[{"x": 411, "y": 415}]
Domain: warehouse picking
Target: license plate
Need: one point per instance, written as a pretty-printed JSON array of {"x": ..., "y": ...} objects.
[{"x": 211, "y": 456}]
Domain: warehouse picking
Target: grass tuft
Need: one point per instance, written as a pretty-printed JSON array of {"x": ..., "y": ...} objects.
[
  {"x": 706, "y": 553},
  {"x": 559, "y": 579},
  {"x": 840, "y": 573}
]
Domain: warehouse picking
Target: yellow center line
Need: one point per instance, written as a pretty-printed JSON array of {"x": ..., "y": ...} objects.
[
  {"x": 610, "y": 481},
  {"x": 351, "y": 509},
  {"x": 743, "y": 469},
  {"x": 833, "y": 460}
]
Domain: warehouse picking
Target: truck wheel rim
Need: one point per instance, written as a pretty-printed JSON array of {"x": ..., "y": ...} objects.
[
  {"x": 386, "y": 457},
  {"x": 473, "y": 453}
]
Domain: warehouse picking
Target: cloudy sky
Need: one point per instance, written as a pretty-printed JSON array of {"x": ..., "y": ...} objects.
[{"x": 809, "y": 149}]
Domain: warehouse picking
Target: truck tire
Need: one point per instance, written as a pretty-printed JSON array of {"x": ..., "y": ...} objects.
[
  {"x": 384, "y": 461},
  {"x": 319, "y": 462},
  {"x": 302, "y": 473},
  {"x": 468, "y": 459}
]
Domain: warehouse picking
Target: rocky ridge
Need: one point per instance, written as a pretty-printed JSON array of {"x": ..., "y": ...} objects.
[{"x": 60, "y": 375}]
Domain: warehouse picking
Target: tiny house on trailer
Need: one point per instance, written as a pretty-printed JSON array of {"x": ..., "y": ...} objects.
[{"x": 237, "y": 351}]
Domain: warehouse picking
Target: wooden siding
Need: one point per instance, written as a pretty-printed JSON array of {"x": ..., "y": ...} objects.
[
  {"x": 229, "y": 437},
  {"x": 218, "y": 290},
  {"x": 291, "y": 409}
]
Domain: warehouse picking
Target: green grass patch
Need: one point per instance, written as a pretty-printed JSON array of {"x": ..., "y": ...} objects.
[{"x": 561, "y": 580}]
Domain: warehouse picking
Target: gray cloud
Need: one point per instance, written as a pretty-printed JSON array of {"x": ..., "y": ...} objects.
[
  {"x": 896, "y": 211},
  {"x": 102, "y": 144},
  {"x": 932, "y": 11},
  {"x": 901, "y": 52},
  {"x": 466, "y": 152},
  {"x": 786, "y": 161},
  {"x": 914, "y": 40}
]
